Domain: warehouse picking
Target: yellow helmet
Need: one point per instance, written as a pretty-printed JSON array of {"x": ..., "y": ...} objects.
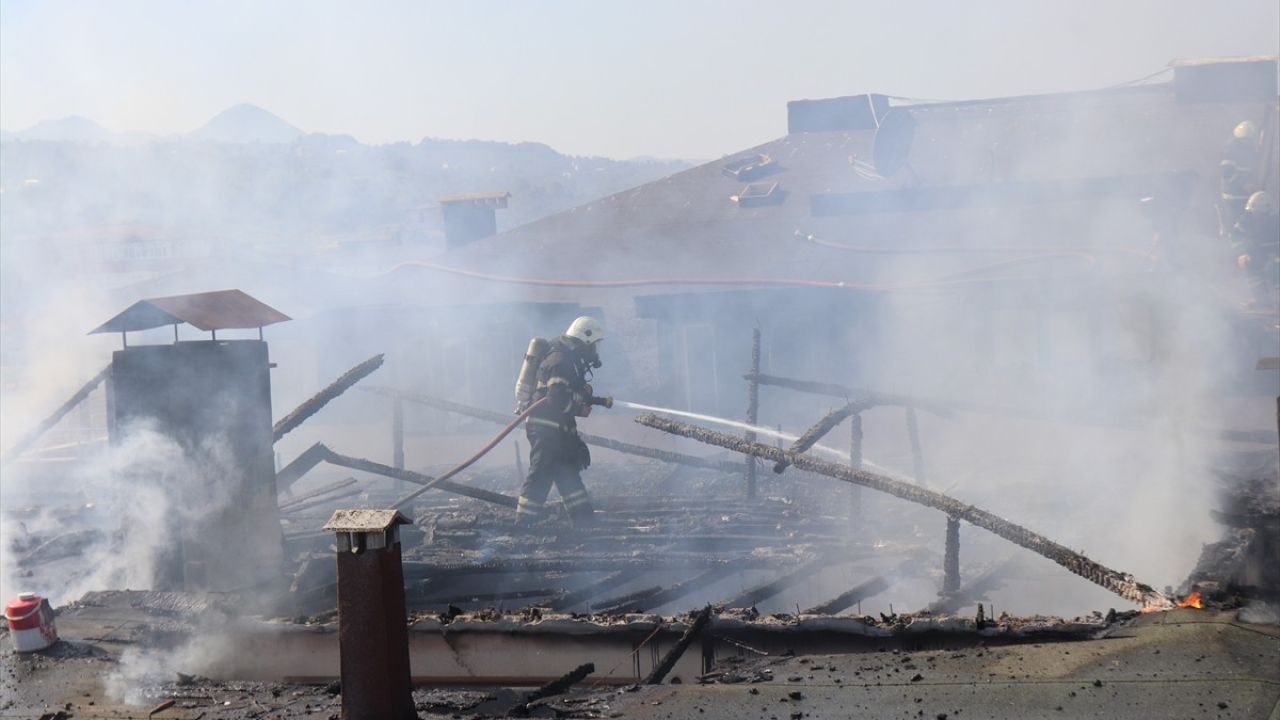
[
  {"x": 1260, "y": 202},
  {"x": 1246, "y": 131}
]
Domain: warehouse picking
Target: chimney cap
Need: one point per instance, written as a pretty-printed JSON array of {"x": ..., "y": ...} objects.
[
  {"x": 219, "y": 310},
  {"x": 365, "y": 521}
]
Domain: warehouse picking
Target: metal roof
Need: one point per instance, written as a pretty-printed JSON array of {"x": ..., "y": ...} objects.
[
  {"x": 364, "y": 520},
  {"x": 219, "y": 310}
]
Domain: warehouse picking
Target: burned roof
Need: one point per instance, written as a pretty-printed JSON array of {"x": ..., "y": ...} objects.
[
  {"x": 364, "y": 520},
  {"x": 218, "y": 310}
]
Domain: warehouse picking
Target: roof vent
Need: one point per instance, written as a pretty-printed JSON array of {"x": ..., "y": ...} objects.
[
  {"x": 757, "y": 194},
  {"x": 749, "y": 168}
]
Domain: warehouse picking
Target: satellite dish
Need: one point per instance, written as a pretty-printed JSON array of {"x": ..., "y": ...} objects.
[{"x": 893, "y": 141}]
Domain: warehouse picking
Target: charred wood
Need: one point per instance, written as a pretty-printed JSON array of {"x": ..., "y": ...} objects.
[
  {"x": 1120, "y": 583},
  {"x": 951, "y": 557},
  {"x": 421, "y": 569},
  {"x": 976, "y": 589},
  {"x": 319, "y": 453},
  {"x": 299, "y": 466},
  {"x": 820, "y": 429},
  {"x": 418, "y": 479},
  {"x": 630, "y": 602},
  {"x": 917, "y": 455},
  {"x": 671, "y": 658},
  {"x": 768, "y": 589},
  {"x": 569, "y": 599},
  {"x": 322, "y": 398},
  {"x": 850, "y": 597},
  {"x": 753, "y": 411},
  {"x": 596, "y": 440},
  {"x": 559, "y": 686},
  {"x": 319, "y": 501},
  {"x": 870, "y": 398},
  {"x": 30, "y": 438},
  {"x": 692, "y": 585},
  {"x": 325, "y": 490},
  {"x": 461, "y": 598}
]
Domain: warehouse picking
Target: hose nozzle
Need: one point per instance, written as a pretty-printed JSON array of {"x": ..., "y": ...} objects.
[{"x": 605, "y": 401}]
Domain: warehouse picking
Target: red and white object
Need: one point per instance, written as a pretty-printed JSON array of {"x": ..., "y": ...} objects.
[{"x": 31, "y": 623}]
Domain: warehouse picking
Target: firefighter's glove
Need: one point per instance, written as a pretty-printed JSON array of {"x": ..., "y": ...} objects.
[{"x": 582, "y": 402}]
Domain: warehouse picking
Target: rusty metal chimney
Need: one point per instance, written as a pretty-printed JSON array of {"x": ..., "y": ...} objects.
[{"x": 373, "y": 634}]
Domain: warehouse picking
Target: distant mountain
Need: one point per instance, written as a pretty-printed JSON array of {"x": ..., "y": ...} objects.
[
  {"x": 74, "y": 129},
  {"x": 247, "y": 124}
]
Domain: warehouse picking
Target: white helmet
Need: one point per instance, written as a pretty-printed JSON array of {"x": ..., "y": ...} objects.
[
  {"x": 1245, "y": 131},
  {"x": 587, "y": 329},
  {"x": 1260, "y": 202}
]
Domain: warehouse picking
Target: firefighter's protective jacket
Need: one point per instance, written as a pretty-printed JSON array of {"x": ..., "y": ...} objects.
[{"x": 562, "y": 377}]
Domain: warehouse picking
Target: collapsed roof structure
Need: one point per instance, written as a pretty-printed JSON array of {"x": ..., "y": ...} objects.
[{"x": 1016, "y": 258}]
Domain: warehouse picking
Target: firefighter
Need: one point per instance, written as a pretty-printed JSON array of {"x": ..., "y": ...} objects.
[
  {"x": 1256, "y": 241},
  {"x": 1240, "y": 159},
  {"x": 556, "y": 454}
]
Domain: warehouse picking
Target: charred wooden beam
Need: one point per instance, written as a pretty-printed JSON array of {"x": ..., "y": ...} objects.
[
  {"x": 566, "y": 600},
  {"x": 325, "y": 490},
  {"x": 692, "y": 585},
  {"x": 1122, "y": 584},
  {"x": 78, "y": 397},
  {"x": 377, "y": 468},
  {"x": 871, "y": 398},
  {"x": 654, "y": 597},
  {"x": 319, "y": 453},
  {"x": 671, "y": 658},
  {"x": 322, "y": 398},
  {"x": 299, "y": 466},
  {"x": 598, "y": 441},
  {"x": 769, "y": 588},
  {"x": 974, "y": 590},
  {"x": 559, "y": 686},
  {"x": 820, "y": 429},
  {"x": 424, "y": 569},
  {"x": 628, "y": 602},
  {"x": 753, "y": 410},
  {"x": 462, "y": 597},
  {"x": 320, "y": 501},
  {"x": 855, "y": 462},
  {"x": 850, "y": 597},
  {"x": 951, "y": 557},
  {"x": 917, "y": 454}
]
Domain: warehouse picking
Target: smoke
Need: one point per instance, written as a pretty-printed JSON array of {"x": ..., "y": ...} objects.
[{"x": 144, "y": 495}]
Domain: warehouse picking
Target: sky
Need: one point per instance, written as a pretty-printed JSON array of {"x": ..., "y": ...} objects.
[{"x": 661, "y": 78}]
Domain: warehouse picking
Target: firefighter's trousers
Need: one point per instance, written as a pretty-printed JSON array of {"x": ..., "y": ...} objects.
[{"x": 555, "y": 457}]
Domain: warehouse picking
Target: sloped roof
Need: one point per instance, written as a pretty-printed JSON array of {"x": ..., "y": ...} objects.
[
  {"x": 1057, "y": 177},
  {"x": 219, "y": 310}
]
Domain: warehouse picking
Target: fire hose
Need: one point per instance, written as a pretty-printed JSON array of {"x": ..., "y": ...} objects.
[{"x": 471, "y": 460}]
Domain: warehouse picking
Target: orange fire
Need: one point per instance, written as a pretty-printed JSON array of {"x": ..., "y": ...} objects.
[{"x": 1192, "y": 601}]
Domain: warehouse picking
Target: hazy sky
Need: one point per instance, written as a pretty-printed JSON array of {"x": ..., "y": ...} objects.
[{"x": 664, "y": 78}]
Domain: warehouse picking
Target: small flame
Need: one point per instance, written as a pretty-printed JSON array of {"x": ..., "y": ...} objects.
[{"x": 1192, "y": 601}]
